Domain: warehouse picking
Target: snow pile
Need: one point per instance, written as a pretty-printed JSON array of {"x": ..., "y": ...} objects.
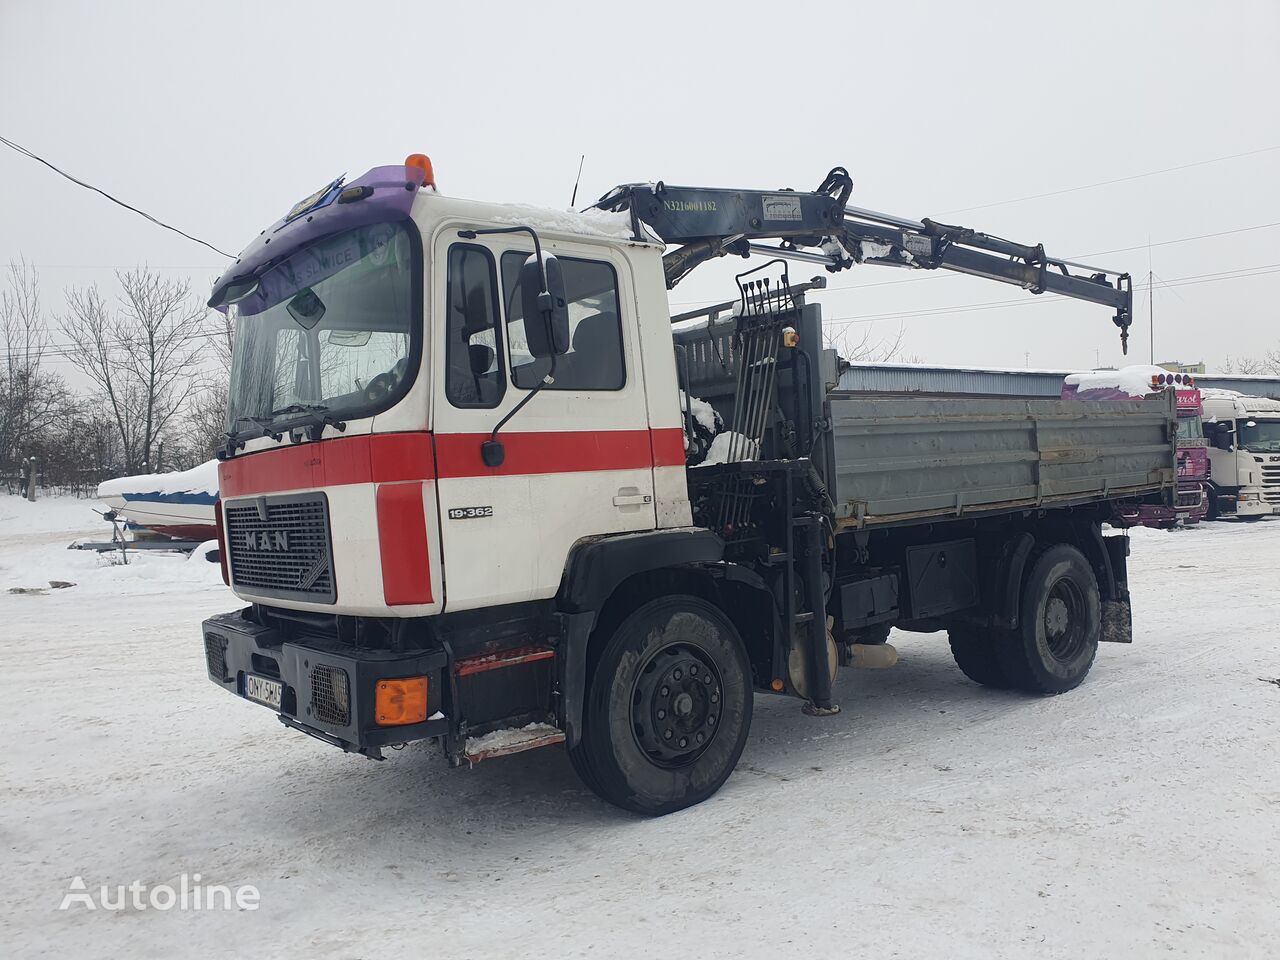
[
  {"x": 1132, "y": 382},
  {"x": 703, "y": 413},
  {"x": 743, "y": 448},
  {"x": 501, "y": 741},
  {"x": 706, "y": 424},
  {"x": 201, "y": 479},
  {"x": 593, "y": 222},
  {"x": 50, "y": 515},
  {"x": 1217, "y": 393},
  {"x": 102, "y": 575}
]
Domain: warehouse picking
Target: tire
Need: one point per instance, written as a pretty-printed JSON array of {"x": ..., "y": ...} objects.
[
  {"x": 682, "y": 656},
  {"x": 1212, "y": 513},
  {"x": 1060, "y": 623},
  {"x": 974, "y": 650}
]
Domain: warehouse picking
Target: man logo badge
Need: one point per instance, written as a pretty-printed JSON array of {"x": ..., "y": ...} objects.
[
  {"x": 308, "y": 578},
  {"x": 267, "y": 541}
]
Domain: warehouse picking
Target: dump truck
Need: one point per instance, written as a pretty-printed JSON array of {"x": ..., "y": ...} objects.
[
  {"x": 1191, "y": 504},
  {"x": 463, "y": 500}
]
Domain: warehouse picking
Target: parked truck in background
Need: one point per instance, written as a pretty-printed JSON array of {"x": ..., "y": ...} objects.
[
  {"x": 1191, "y": 503},
  {"x": 455, "y": 495},
  {"x": 1243, "y": 433}
]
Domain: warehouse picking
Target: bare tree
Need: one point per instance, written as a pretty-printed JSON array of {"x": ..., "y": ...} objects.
[
  {"x": 207, "y": 418},
  {"x": 143, "y": 357},
  {"x": 868, "y": 348},
  {"x": 1269, "y": 364},
  {"x": 31, "y": 398}
]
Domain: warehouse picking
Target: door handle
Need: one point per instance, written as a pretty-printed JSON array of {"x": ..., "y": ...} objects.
[{"x": 625, "y": 498}]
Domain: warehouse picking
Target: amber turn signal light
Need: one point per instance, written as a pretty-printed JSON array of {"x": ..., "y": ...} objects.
[
  {"x": 401, "y": 701},
  {"x": 423, "y": 163}
]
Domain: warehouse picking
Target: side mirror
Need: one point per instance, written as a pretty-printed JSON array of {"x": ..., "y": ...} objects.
[
  {"x": 481, "y": 356},
  {"x": 546, "y": 313},
  {"x": 476, "y": 316},
  {"x": 306, "y": 308}
]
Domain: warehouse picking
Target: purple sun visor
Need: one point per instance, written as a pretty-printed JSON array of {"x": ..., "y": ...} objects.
[{"x": 383, "y": 195}]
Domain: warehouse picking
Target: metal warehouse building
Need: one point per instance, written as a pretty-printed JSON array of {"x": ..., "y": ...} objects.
[{"x": 1004, "y": 381}]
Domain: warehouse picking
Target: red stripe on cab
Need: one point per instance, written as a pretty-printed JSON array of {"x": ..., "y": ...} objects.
[
  {"x": 334, "y": 462},
  {"x": 402, "y": 544},
  {"x": 568, "y": 451},
  {"x": 668, "y": 447},
  {"x": 396, "y": 457}
]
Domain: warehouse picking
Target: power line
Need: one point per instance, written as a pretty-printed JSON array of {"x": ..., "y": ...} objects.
[
  {"x": 61, "y": 352},
  {"x": 88, "y": 186},
  {"x": 1107, "y": 183},
  {"x": 1240, "y": 274}
]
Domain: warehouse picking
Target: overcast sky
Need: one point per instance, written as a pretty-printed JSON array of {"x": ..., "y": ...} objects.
[{"x": 218, "y": 116}]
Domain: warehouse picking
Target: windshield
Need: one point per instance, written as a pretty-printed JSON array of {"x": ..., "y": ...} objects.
[
  {"x": 1189, "y": 428},
  {"x": 331, "y": 329},
  {"x": 1262, "y": 437}
]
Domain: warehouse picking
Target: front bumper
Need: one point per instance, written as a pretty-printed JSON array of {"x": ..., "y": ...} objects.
[
  {"x": 1247, "y": 505},
  {"x": 311, "y": 668}
]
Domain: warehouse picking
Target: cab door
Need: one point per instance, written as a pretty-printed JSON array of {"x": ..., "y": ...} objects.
[{"x": 577, "y": 459}]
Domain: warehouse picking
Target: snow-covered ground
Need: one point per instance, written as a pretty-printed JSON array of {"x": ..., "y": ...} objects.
[{"x": 1137, "y": 816}]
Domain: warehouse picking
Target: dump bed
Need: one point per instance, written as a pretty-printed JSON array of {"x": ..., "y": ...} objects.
[{"x": 891, "y": 459}]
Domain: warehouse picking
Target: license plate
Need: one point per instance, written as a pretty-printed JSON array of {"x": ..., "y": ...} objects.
[{"x": 263, "y": 690}]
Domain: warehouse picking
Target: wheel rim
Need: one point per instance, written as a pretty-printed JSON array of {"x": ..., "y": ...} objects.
[
  {"x": 676, "y": 705},
  {"x": 1065, "y": 623}
]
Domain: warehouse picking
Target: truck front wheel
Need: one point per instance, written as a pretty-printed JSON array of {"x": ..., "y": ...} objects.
[
  {"x": 667, "y": 708},
  {"x": 1060, "y": 623}
]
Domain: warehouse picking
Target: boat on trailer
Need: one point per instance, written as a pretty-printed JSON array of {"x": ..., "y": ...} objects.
[{"x": 177, "y": 505}]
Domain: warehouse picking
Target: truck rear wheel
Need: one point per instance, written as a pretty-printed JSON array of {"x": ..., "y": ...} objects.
[
  {"x": 667, "y": 709},
  {"x": 975, "y": 653},
  {"x": 1060, "y": 623}
]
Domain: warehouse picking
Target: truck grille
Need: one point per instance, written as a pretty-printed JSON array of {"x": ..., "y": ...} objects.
[
  {"x": 1271, "y": 482},
  {"x": 1189, "y": 498},
  {"x": 215, "y": 655},
  {"x": 279, "y": 547},
  {"x": 330, "y": 694}
]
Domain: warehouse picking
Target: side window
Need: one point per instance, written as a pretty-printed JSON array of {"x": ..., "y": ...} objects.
[
  {"x": 473, "y": 348},
  {"x": 594, "y": 360}
]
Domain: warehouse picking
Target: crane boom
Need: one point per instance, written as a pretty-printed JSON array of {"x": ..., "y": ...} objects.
[{"x": 820, "y": 226}]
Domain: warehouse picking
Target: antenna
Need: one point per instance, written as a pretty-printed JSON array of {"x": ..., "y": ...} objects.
[
  {"x": 574, "y": 199},
  {"x": 1151, "y": 305}
]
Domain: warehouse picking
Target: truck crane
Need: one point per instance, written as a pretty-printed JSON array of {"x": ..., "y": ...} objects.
[
  {"x": 709, "y": 223},
  {"x": 464, "y": 502}
]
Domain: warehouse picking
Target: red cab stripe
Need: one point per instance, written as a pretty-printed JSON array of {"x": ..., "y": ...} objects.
[
  {"x": 402, "y": 543},
  {"x": 394, "y": 457},
  {"x": 376, "y": 458},
  {"x": 570, "y": 451}
]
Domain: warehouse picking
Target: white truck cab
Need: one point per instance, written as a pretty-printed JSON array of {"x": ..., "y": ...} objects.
[{"x": 1244, "y": 454}]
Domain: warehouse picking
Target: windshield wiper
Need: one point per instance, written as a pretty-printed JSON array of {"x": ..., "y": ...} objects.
[
  {"x": 319, "y": 419},
  {"x": 298, "y": 408},
  {"x": 233, "y": 438}
]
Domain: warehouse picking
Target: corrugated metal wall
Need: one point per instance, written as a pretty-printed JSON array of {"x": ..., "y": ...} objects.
[{"x": 1002, "y": 382}]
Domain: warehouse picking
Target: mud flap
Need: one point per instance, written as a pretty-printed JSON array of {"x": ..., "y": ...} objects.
[{"x": 1117, "y": 622}]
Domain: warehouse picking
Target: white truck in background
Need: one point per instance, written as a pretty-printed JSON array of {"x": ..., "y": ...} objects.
[{"x": 1244, "y": 454}]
